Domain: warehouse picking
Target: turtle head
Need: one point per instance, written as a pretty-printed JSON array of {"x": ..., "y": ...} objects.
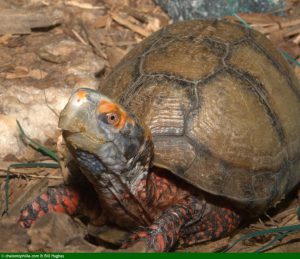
[{"x": 106, "y": 140}]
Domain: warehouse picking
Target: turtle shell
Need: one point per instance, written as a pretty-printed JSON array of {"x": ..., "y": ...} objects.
[{"x": 223, "y": 106}]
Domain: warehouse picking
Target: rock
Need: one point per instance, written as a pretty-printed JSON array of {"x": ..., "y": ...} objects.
[
  {"x": 53, "y": 232},
  {"x": 188, "y": 10},
  {"x": 13, "y": 237},
  {"x": 38, "y": 74},
  {"x": 21, "y": 21},
  {"x": 79, "y": 244},
  {"x": 111, "y": 235}
]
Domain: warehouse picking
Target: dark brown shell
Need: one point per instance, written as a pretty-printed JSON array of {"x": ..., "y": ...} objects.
[{"x": 223, "y": 106}]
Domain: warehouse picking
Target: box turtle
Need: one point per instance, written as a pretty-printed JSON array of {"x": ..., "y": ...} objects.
[{"x": 197, "y": 128}]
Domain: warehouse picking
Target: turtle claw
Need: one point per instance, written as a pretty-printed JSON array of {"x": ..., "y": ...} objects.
[
  {"x": 154, "y": 241},
  {"x": 134, "y": 238}
]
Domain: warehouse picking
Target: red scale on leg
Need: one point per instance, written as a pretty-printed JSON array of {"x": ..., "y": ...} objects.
[
  {"x": 70, "y": 204},
  {"x": 160, "y": 242},
  {"x": 36, "y": 206},
  {"x": 41, "y": 214},
  {"x": 44, "y": 197},
  {"x": 61, "y": 199},
  {"x": 218, "y": 223}
]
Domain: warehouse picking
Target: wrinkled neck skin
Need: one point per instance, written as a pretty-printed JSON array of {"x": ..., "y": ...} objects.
[{"x": 117, "y": 191}]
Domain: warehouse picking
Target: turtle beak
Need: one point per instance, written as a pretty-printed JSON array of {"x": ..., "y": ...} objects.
[{"x": 78, "y": 121}]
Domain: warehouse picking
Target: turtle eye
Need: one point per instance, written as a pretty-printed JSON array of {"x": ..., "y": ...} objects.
[{"x": 112, "y": 118}]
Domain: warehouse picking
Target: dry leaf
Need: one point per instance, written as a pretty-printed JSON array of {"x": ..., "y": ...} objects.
[
  {"x": 37, "y": 74},
  {"x": 5, "y": 38},
  {"x": 23, "y": 72},
  {"x": 101, "y": 22},
  {"x": 114, "y": 55}
]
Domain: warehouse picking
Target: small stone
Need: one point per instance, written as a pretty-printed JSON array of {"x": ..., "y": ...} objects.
[{"x": 187, "y": 10}]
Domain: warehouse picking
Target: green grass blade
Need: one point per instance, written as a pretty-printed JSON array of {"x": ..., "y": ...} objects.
[
  {"x": 23, "y": 165},
  {"x": 242, "y": 21},
  {"x": 39, "y": 148},
  {"x": 279, "y": 237},
  {"x": 6, "y": 192},
  {"x": 35, "y": 165},
  {"x": 289, "y": 58},
  {"x": 284, "y": 229},
  {"x": 37, "y": 145},
  {"x": 285, "y": 54}
]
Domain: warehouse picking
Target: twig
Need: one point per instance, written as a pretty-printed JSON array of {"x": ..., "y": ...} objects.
[
  {"x": 117, "y": 18},
  {"x": 78, "y": 36},
  {"x": 94, "y": 43},
  {"x": 48, "y": 105},
  {"x": 83, "y": 5}
]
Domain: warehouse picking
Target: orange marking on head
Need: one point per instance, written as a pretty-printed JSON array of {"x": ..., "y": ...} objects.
[
  {"x": 109, "y": 107},
  {"x": 81, "y": 94},
  {"x": 106, "y": 106}
]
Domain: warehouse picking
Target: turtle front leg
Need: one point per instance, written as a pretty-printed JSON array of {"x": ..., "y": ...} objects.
[
  {"x": 63, "y": 199},
  {"x": 216, "y": 223},
  {"x": 164, "y": 233},
  {"x": 194, "y": 221},
  {"x": 60, "y": 199}
]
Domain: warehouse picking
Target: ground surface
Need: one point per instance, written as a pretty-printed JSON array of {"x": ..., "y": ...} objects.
[{"x": 48, "y": 49}]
